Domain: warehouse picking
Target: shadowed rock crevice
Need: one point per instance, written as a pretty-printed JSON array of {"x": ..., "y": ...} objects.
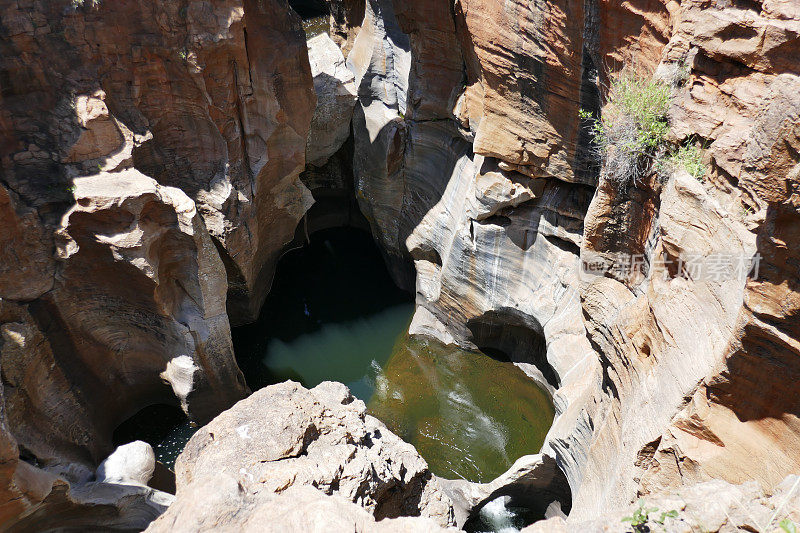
[{"x": 510, "y": 336}]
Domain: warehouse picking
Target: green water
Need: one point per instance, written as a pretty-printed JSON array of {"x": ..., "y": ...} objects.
[
  {"x": 470, "y": 416},
  {"x": 316, "y": 26},
  {"x": 334, "y": 314}
]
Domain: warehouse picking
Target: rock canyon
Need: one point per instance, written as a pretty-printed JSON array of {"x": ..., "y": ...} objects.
[{"x": 158, "y": 159}]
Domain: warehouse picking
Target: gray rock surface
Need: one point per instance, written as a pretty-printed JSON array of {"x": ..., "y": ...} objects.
[
  {"x": 286, "y": 436},
  {"x": 336, "y": 98},
  {"x": 298, "y": 509},
  {"x": 711, "y": 506},
  {"x": 131, "y": 463}
]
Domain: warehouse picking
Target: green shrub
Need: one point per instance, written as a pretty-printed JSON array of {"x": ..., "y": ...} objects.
[
  {"x": 631, "y": 137},
  {"x": 633, "y": 129},
  {"x": 641, "y": 516},
  {"x": 688, "y": 157}
]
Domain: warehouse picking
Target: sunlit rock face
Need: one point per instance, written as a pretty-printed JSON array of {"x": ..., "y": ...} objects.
[
  {"x": 480, "y": 177},
  {"x": 336, "y": 97},
  {"x": 285, "y": 436},
  {"x": 149, "y": 180}
]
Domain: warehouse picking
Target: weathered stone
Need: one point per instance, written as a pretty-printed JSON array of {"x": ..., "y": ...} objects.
[
  {"x": 713, "y": 506},
  {"x": 131, "y": 463},
  {"x": 336, "y": 97},
  {"x": 297, "y": 509},
  {"x": 286, "y": 436},
  {"x": 524, "y": 88},
  {"x": 171, "y": 306}
]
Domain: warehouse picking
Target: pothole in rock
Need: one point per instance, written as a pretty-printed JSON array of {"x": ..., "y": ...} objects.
[{"x": 335, "y": 314}]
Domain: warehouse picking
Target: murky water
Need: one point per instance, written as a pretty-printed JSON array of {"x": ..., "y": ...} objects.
[
  {"x": 316, "y": 26},
  {"x": 334, "y": 314},
  {"x": 470, "y": 416}
]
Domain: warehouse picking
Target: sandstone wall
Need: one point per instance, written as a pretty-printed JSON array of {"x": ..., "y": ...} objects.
[
  {"x": 149, "y": 181},
  {"x": 480, "y": 176}
]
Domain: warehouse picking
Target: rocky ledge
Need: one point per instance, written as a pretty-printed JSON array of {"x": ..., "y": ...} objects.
[{"x": 295, "y": 458}]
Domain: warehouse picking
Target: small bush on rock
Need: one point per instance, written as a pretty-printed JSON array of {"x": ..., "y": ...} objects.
[
  {"x": 632, "y": 132},
  {"x": 688, "y": 157}
]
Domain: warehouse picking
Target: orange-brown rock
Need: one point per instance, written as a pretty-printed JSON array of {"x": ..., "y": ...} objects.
[
  {"x": 144, "y": 148},
  {"x": 699, "y": 371},
  {"x": 523, "y": 90}
]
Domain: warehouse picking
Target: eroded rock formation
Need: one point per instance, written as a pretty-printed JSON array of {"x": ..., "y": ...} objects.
[
  {"x": 661, "y": 380},
  {"x": 150, "y": 177},
  {"x": 285, "y": 436},
  {"x": 714, "y": 506},
  {"x": 149, "y": 180}
]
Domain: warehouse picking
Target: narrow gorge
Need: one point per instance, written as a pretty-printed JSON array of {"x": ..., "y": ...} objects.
[{"x": 399, "y": 265}]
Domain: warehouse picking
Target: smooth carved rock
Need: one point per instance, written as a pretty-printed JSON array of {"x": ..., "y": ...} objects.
[
  {"x": 133, "y": 130},
  {"x": 713, "y": 506},
  {"x": 131, "y": 463},
  {"x": 172, "y": 305},
  {"x": 336, "y": 97},
  {"x": 215, "y": 99},
  {"x": 285, "y": 436},
  {"x": 668, "y": 376},
  {"x": 56, "y": 490}
]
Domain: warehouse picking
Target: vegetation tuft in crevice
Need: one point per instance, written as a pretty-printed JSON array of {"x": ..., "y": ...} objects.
[{"x": 631, "y": 136}]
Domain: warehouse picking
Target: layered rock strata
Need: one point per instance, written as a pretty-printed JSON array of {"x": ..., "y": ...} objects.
[
  {"x": 149, "y": 180},
  {"x": 163, "y": 145},
  {"x": 479, "y": 174}
]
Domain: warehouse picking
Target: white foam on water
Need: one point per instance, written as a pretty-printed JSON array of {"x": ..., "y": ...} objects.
[{"x": 496, "y": 515}]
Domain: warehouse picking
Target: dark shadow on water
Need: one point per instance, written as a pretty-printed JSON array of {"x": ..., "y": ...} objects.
[
  {"x": 167, "y": 430},
  {"x": 308, "y": 9},
  {"x": 326, "y": 296}
]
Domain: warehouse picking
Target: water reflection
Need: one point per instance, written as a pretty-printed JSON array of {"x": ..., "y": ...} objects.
[
  {"x": 316, "y": 26},
  {"x": 470, "y": 416}
]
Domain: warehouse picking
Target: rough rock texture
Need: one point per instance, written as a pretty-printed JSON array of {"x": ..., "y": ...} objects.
[
  {"x": 297, "y": 509},
  {"x": 336, "y": 97},
  {"x": 346, "y": 18},
  {"x": 697, "y": 368},
  {"x": 472, "y": 168},
  {"x": 285, "y": 436},
  {"x": 524, "y": 84},
  {"x": 214, "y": 100},
  {"x": 712, "y": 506},
  {"x": 149, "y": 167},
  {"x": 473, "y": 164}
]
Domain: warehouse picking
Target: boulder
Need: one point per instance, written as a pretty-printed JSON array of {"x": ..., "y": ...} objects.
[
  {"x": 131, "y": 463},
  {"x": 336, "y": 98},
  {"x": 298, "y": 509},
  {"x": 286, "y": 436}
]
